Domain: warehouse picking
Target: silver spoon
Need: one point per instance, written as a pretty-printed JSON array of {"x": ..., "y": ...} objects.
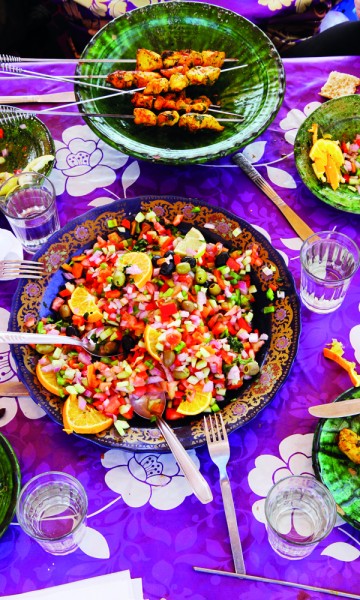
[
  {"x": 198, "y": 484},
  {"x": 14, "y": 337}
]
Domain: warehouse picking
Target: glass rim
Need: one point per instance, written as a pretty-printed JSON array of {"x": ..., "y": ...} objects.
[
  {"x": 76, "y": 483},
  {"x": 36, "y": 175},
  {"x": 327, "y": 493},
  {"x": 326, "y": 235}
]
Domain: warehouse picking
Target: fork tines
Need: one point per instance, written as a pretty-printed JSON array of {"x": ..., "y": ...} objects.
[
  {"x": 214, "y": 428},
  {"x": 21, "y": 268}
]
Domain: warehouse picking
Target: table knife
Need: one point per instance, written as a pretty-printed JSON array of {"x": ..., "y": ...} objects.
[
  {"x": 298, "y": 225},
  {"x": 13, "y": 388},
  {"x": 345, "y": 408},
  {"x": 44, "y": 98}
]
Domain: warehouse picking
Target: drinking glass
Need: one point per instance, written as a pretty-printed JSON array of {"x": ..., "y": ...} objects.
[
  {"x": 29, "y": 204},
  {"x": 52, "y": 509},
  {"x": 300, "y": 512},
  {"x": 329, "y": 260}
]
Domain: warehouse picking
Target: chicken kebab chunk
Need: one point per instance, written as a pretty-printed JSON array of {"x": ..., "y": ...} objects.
[
  {"x": 148, "y": 60},
  {"x": 171, "y": 101},
  {"x": 155, "y": 84},
  {"x": 190, "y": 121}
]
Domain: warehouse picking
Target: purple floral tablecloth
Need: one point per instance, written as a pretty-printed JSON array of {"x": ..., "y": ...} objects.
[{"x": 153, "y": 525}]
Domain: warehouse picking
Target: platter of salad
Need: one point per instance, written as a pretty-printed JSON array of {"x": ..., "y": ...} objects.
[
  {"x": 327, "y": 153},
  {"x": 187, "y": 306}
]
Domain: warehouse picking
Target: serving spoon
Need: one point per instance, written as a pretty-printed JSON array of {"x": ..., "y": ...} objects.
[
  {"x": 15, "y": 337},
  {"x": 198, "y": 484},
  {"x": 196, "y": 481}
]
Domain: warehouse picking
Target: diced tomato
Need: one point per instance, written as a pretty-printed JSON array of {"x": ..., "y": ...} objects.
[
  {"x": 113, "y": 294},
  {"x": 167, "y": 309},
  {"x": 233, "y": 264},
  {"x": 65, "y": 293},
  {"x": 171, "y": 414},
  {"x": 173, "y": 338}
]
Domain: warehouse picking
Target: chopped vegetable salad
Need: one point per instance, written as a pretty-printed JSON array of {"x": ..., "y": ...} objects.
[{"x": 173, "y": 319}]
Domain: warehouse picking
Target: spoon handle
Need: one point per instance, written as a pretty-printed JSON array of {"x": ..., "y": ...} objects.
[
  {"x": 198, "y": 484},
  {"x": 15, "y": 337}
]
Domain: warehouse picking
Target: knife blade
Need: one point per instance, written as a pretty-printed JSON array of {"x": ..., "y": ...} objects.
[
  {"x": 345, "y": 408},
  {"x": 13, "y": 388},
  {"x": 296, "y": 222},
  {"x": 44, "y": 98}
]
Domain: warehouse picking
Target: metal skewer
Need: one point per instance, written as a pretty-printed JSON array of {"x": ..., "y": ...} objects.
[
  {"x": 7, "y": 58},
  {"x": 12, "y": 115}
]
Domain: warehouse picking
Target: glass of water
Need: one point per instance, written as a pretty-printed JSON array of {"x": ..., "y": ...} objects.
[
  {"x": 28, "y": 201},
  {"x": 329, "y": 260},
  {"x": 300, "y": 512},
  {"x": 52, "y": 509}
]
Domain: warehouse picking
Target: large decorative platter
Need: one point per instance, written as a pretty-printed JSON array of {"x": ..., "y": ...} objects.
[
  {"x": 254, "y": 92},
  {"x": 10, "y": 480},
  {"x": 336, "y": 471},
  {"x": 282, "y": 326},
  {"x": 339, "y": 118}
]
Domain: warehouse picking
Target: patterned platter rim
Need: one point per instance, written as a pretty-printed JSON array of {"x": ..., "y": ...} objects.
[
  {"x": 349, "y": 468},
  {"x": 15, "y": 475},
  {"x": 228, "y": 26},
  {"x": 33, "y": 298}
]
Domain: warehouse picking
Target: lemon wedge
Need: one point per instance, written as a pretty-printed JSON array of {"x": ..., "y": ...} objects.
[{"x": 193, "y": 244}]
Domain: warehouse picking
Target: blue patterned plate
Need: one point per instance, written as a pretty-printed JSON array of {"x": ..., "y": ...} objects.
[{"x": 283, "y": 326}]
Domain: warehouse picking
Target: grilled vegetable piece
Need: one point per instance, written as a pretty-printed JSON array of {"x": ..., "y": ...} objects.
[
  {"x": 179, "y": 69},
  {"x": 168, "y": 118},
  {"x": 349, "y": 444},
  {"x": 148, "y": 60},
  {"x": 157, "y": 86},
  {"x": 122, "y": 80},
  {"x": 146, "y": 117},
  {"x": 194, "y": 122}
]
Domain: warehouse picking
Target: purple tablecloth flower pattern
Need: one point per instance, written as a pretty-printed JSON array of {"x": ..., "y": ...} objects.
[{"x": 142, "y": 515}]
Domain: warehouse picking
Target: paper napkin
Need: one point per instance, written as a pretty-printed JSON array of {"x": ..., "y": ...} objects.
[{"x": 114, "y": 586}]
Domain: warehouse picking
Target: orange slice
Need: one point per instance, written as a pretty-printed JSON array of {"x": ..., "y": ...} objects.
[
  {"x": 48, "y": 380},
  {"x": 151, "y": 337},
  {"x": 82, "y": 303},
  {"x": 85, "y": 421},
  {"x": 322, "y": 148},
  {"x": 144, "y": 264},
  {"x": 198, "y": 403}
]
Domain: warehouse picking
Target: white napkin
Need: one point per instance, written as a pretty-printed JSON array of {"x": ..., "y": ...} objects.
[{"x": 114, "y": 586}]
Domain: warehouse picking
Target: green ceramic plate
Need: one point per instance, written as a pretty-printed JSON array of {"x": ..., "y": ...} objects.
[
  {"x": 341, "y": 119},
  {"x": 24, "y": 140},
  {"x": 9, "y": 483},
  {"x": 255, "y": 92},
  {"x": 337, "y": 472}
]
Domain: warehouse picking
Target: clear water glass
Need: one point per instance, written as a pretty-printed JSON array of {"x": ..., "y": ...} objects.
[
  {"x": 329, "y": 260},
  {"x": 300, "y": 512},
  {"x": 52, "y": 509},
  {"x": 30, "y": 208}
]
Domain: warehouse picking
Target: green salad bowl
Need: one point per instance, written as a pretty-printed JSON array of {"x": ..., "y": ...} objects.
[
  {"x": 339, "y": 118},
  {"x": 254, "y": 93}
]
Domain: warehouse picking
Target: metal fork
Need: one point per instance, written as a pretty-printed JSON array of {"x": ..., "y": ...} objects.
[
  {"x": 21, "y": 268},
  {"x": 219, "y": 450}
]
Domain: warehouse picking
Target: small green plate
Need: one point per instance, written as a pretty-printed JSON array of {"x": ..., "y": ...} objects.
[
  {"x": 341, "y": 119},
  {"x": 10, "y": 480},
  {"x": 336, "y": 471},
  {"x": 255, "y": 91},
  {"x": 24, "y": 139}
]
